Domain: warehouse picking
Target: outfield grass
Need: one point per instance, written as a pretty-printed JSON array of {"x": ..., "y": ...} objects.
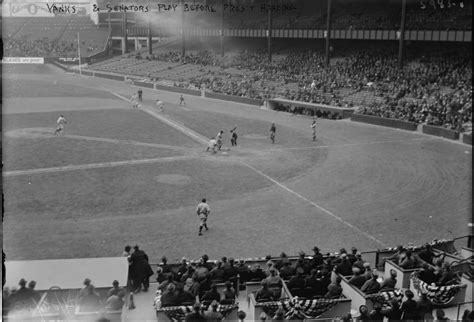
[{"x": 357, "y": 185}]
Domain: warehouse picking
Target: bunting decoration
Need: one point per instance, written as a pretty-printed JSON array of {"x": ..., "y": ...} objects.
[
  {"x": 299, "y": 309},
  {"x": 438, "y": 295},
  {"x": 178, "y": 313},
  {"x": 386, "y": 297}
]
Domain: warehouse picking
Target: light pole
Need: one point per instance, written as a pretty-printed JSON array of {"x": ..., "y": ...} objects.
[{"x": 79, "y": 52}]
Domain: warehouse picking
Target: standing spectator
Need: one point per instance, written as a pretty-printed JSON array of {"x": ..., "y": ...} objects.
[
  {"x": 195, "y": 315},
  {"x": 84, "y": 291},
  {"x": 229, "y": 292},
  {"x": 127, "y": 251},
  {"x": 231, "y": 272},
  {"x": 409, "y": 309},
  {"x": 424, "y": 306},
  {"x": 141, "y": 270},
  {"x": 407, "y": 261},
  {"x": 183, "y": 267},
  {"x": 318, "y": 259},
  {"x": 244, "y": 272},
  {"x": 217, "y": 273}
]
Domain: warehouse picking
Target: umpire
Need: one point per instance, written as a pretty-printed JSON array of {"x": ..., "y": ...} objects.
[{"x": 203, "y": 211}]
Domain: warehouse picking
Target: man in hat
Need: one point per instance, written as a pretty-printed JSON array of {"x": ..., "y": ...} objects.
[
  {"x": 297, "y": 281},
  {"x": 357, "y": 279},
  {"x": 141, "y": 270},
  {"x": 115, "y": 289},
  {"x": 317, "y": 259},
  {"x": 203, "y": 210},
  {"x": 212, "y": 314},
  {"x": 371, "y": 286}
]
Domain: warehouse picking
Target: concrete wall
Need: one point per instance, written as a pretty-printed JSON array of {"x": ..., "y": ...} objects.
[
  {"x": 440, "y": 131},
  {"x": 403, "y": 275},
  {"x": 238, "y": 99},
  {"x": 398, "y": 124}
]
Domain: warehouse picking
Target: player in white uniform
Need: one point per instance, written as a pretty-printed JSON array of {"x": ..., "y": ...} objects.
[
  {"x": 134, "y": 100},
  {"x": 203, "y": 211},
  {"x": 212, "y": 145},
  {"x": 219, "y": 139},
  {"x": 60, "y": 125},
  {"x": 160, "y": 104},
  {"x": 313, "y": 127}
]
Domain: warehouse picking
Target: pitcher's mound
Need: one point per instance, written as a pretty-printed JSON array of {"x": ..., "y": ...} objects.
[{"x": 176, "y": 179}]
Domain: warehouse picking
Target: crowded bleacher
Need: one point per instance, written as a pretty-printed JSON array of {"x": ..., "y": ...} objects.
[{"x": 205, "y": 286}]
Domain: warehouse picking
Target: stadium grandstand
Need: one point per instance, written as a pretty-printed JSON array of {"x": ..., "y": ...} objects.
[{"x": 367, "y": 217}]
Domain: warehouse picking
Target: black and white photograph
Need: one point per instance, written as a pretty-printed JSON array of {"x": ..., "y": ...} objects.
[{"x": 237, "y": 160}]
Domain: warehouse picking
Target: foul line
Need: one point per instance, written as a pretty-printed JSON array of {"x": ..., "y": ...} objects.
[
  {"x": 315, "y": 205},
  {"x": 193, "y": 135},
  {"x": 92, "y": 166}
]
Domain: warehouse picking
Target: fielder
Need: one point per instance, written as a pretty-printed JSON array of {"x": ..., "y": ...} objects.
[
  {"x": 233, "y": 138},
  {"x": 203, "y": 211},
  {"x": 160, "y": 104},
  {"x": 212, "y": 145},
  {"x": 181, "y": 101},
  {"x": 272, "y": 132},
  {"x": 60, "y": 125},
  {"x": 219, "y": 139},
  {"x": 313, "y": 127},
  {"x": 134, "y": 100}
]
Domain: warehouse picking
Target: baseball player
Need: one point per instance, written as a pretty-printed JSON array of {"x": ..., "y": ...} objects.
[
  {"x": 233, "y": 138},
  {"x": 160, "y": 104},
  {"x": 181, "y": 101},
  {"x": 134, "y": 100},
  {"x": 60, "y": 125},
  {"x": 313, "y": 127},
  {"x": 272, "y": 132},
  {"x": 219, "y": 139},
  {"x": 212, "y": 145},
  {"x": 203, "y": 211}
]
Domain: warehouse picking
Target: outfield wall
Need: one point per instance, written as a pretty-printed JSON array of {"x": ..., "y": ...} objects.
[
  {"x": 398, "y": 124},
  {"x": 232, "y": 98},
  {"x": 181, "y": 90},
  {"x": 467, "y": 138},
  {"x": 440, "y": 131}
]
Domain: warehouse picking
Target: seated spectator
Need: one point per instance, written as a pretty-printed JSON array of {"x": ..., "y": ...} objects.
[
  {"x": 163, "y": 286},
  {"x": 352, "y": 256},
  {"x": 371, "y": 286},
  {"x": 334, "y": 289},
  {"x": 211, "y": 314},
  {"x": 297, "y": 281},
  {"x": 395, "y": 257},
  {"x": 90, "y": 301},
  {"x": 205, "y": 262},
  {"x": 344, "y": 267},
  {"x": 264, "y": 294},
  {"x": 448, "y": 277},
  {"x": 408, "y": 308},
  {"x": 184, "y": 297},
  {"x": 317, "y": 259},
  {"x": 212, "y": 294},
  {"x": 169, "y": 296},
  {"x": 201, "y": 272},
  {"x": 357, "y": 280},
  {"x": 195, "y": 315},
  {"x": 115, "y": 289},
  {"x": 274, "y": 282},
  {"x": 359, "y": 263},
  {"x": 368, "y": 271},
  {"x": 188, "y": 274},
  {"x": 407, "y": 261},
  {"x": 428, "y": 256},
  {"x": 390, "y": 282},
  {"x": 244, "y": 273},
  {"x": 363, "y": 313},
  {"x": 217, "y": 273},
  {"x": 229, "y": 292},
  {"x": 312, "y": 280},
  {"x": 165, "y": 267},
  {"x": 256, "y": 273},
  {"x": 35, "y": 296},
  {"x": 303, "y": 263},
  {"x": 183, "y": 267},
  {"x": 192, "y": 286},
  {"x": 231, "y": 272},
  {"x": 287, "y": 271},
  {"x": 283, "y": 260},
  {"x": 376, "y": 314},
  {"x": 115, "y": 302}
]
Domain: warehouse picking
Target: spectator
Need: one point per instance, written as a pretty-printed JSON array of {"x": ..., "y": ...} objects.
[
  {"x": 376, "y": 314},
  {"x": 35, "y": 296},
  {"x": 229, "y": 292},
  {"x": 359, "y": 263},
  {"x": 297, "y": 281},
  {"x": 212, "y": 314},
  {"x": 393, "y": 311},
  {"x": 334, "y": 289},
  {"x": 183, "y": 267},
  {"x": 115, "y": 289},
  {"x": 184, "y": 297},
  {"x": 371, "y": 286},
  {"x": 264, "y": 294},
  {"x": 195, "y": 315},
  {"x": 244, "y": 273},
  {"x": 212, "y": 294},
  {"x": 424, "y": 306},
  {"x": 318, "y": 259},
  {"x": 140, "y": 270},
  {"x": 84, "y": 291},
  {"x": 409, "y": 307},
  {"x": 440, "y": 315},
  {"x": 115, "y": 302},
  {"x": 217, "y": 273},
  {"x": 357, "y": 280},
  {"x": 169, "y": 296},
  {"x": 127, "y": 251},
  {"x": 363, "y": 314},
  {"x": 390, "y": 282},
  {"x": 90, "y": 301}
]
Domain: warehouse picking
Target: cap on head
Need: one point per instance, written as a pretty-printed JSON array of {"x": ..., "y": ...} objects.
[
  {"x": 87, "y": 282},
  {"x": 22, "y": 282},
  {"x": 32, "y": 284},
  {"x": 203, "y": 200}
]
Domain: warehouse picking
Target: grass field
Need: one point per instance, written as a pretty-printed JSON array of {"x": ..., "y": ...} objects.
[{"x": 122, "y": 176}]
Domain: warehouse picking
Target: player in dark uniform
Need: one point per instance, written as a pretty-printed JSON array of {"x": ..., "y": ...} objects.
[
  {"x": 233, "y": 138},
  {"x": 140, "y": 95},
  {"x": 181, "y": 100},
  {"x": 272, "y": 132}
]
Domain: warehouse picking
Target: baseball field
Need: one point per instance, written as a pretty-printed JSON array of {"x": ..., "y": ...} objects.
[{"x": 119, "y": 176}]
